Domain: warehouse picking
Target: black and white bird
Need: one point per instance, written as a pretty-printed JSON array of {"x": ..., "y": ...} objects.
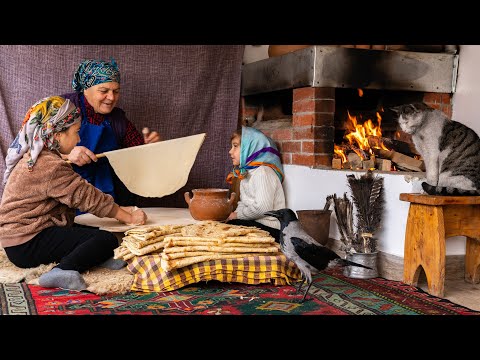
[{"x": 310, "y": 256}]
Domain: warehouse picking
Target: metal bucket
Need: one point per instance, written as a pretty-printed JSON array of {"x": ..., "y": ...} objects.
[
  {"x": 367, "y": 259},
  {"x": 316, "y": 223}
]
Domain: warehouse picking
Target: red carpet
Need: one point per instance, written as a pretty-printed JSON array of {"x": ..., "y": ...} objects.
[{"x": 331, "y": 294}]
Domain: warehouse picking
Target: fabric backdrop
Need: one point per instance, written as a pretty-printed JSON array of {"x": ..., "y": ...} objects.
[{"x": 178, "y": 90}]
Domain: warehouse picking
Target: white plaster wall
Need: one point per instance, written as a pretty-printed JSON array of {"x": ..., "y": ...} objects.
[
  {"x": 307, "y": 188},
  {"x": 466, "y": 104}
]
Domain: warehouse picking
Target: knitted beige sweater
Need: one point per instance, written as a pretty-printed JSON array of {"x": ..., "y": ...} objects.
[{"x": 46, "y": 197}]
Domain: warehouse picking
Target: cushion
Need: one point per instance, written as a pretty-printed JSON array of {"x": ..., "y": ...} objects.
[{"x": 253, "y": 270}]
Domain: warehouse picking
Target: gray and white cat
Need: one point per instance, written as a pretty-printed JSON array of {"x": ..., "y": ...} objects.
[{"x": 450, "y": 150}]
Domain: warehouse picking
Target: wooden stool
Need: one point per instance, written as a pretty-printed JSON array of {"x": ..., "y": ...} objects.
[{"x": 431, "y": 220}]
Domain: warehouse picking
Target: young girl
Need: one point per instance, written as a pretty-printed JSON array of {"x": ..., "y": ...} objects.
[
  {"x": 256, "y": 162},
  {"x": 41, "y": 193}
]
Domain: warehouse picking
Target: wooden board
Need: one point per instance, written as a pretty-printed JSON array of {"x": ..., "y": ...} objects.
[
  {"x": 156, "y": 216},
  {"x": 402, "y": 160},
  {"x": 439, "y": 200}
]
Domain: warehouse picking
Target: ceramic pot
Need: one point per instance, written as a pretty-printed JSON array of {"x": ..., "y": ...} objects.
[
  {"x": 210, "y": 204},
  {"x": 367, "y": 259},
  {"x": 316, "y": 223}
]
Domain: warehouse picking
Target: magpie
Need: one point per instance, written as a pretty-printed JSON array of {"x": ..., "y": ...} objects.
[{"x": 310, "y": 256}]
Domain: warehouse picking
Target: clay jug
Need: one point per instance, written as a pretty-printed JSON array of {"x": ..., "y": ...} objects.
[{"x": 210, "y": 204}]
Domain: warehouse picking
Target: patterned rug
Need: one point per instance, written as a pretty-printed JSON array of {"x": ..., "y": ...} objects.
[{"x": 331, "y": 294}]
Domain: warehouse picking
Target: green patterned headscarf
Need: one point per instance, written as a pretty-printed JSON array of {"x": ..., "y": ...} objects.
[{"x": 93, "y": 72}]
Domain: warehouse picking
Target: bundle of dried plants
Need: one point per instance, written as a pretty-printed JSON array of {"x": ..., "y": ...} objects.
[
  {"x": 343, "y": 208},
  {"x": 368, "y": 197},
  {"x": 328, "y": 202}
]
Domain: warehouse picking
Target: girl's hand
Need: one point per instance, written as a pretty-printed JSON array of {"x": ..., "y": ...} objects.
[
  {"x": 131, "y": 215},
  {"x": 129, "y": 209},
  {"x": 138, "y": 217},
  {"x": 232, "y": 216}
]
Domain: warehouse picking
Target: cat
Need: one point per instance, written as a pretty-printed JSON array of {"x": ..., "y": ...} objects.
[{"x": 450, "y": 150}]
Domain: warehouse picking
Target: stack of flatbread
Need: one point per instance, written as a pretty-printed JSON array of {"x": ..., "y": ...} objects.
[
  {"x": 145, "y": 240},
  {"x": 212, "y": 240}
]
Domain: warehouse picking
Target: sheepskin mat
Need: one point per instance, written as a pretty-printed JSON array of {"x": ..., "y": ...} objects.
[
  {"x": 331, "y": 294},
  {"x": 99, "y": 280}
]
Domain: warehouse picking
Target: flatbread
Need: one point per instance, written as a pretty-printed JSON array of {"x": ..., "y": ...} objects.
[
  {"x": 221, "y": 230},
  {"x": 221, "y": 249},
  {"x": 183, "y": 241},
  {"x": 168, "y": 265},
  {"x": 156, "y": 230},
  {"x": 131, "y": 242},
  {"x": 220, "y": 240},
  {"x": 158, "y": 169},
  {"x": 146, "y": 249}
]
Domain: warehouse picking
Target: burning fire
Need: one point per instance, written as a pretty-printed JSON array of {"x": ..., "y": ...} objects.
[{"x": 358, "y": 137}]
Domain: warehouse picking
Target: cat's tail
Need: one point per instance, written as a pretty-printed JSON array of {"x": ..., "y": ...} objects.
[{"x": 447, "y": 190}]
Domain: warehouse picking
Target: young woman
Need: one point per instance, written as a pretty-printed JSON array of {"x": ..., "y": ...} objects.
[
  {"x": 256, "y": 162},
  {"x": 40, "y": 195}
]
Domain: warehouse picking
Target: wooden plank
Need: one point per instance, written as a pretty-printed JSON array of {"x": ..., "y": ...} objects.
[
  {"x": 383, "y": 164},
  {"x": 472, "y": 261},
  {"x": 425, "y": 247},
  {"x": 392, "y": 144},
  {"x": 439, "y": 200},
  {"x": 402, "y": 160},
  {"x": 369, "y": 164},
  {"x": 336, "y": 163}
]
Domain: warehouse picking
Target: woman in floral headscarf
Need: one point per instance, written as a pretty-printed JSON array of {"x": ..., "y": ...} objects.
[
  {"x": 105, "y": 127},
  {"x": 41, "y": 191},
  {"x": 256, "y": 162}
]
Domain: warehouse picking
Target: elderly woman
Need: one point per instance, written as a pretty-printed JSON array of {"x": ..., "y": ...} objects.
[
  {"x": 105, "y": 127},
  {"x": 41, "y": 191}
]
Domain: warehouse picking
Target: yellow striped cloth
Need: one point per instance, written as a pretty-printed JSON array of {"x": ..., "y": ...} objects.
[{"x": 253, "y": 270}]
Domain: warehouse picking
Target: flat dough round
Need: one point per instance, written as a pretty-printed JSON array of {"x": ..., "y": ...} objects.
[{"x": 158, "y": 169}]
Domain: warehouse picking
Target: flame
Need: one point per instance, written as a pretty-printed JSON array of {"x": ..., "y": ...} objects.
[
  {"x": 357, "y": 136},
  {"x": 360, "y": 92},
  {"x": 339, "y": 151},
  {"x": 359, "y": 133}
]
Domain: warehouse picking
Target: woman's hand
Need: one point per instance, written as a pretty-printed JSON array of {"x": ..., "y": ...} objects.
[
  {"x": 80, "y": 155},
  {"x": 150, "y": 136}
]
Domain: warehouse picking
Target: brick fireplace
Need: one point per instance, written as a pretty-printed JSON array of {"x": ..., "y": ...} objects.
[
  {"x": 301, "y": 113},
  {"x": 300, "y": 97}
]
